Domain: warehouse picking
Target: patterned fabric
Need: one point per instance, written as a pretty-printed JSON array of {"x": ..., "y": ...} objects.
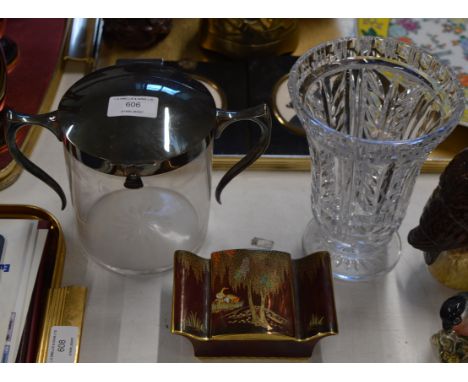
[{"x": 445, "y": 38}]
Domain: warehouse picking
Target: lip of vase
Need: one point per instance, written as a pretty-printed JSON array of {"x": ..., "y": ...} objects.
[{"x": 458, "y": 100}]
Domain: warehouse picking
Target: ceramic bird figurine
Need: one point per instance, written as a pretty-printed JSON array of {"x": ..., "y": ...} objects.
[
  {"x": 451, "y": 343},
  {"x": 443, "y": 228}
]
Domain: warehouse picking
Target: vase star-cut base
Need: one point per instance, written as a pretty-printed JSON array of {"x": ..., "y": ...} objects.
[{"x": 353, "y": 263}]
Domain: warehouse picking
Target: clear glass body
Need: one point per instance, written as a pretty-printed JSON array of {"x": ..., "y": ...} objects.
[
  {"x": 136, "y": 231},
  {"x": 373, "y": 109}
]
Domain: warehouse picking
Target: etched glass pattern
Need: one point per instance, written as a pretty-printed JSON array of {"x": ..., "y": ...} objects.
[
  {"x": 137, "y": 231},
  {"x": 373, "y": 109}
]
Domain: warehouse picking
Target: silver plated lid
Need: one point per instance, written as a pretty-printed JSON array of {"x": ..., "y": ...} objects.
[
  {"x": 140, "y": 119},
  {"x": 136, "y": 120}
]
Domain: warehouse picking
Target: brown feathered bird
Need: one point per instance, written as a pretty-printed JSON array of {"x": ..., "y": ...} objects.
[{"x": 444, "y": 222}]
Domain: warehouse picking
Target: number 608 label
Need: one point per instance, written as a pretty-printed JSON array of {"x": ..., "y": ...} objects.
[{"x": 63, "y": 341}]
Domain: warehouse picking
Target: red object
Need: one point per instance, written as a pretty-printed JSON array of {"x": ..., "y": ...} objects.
[
  {"x": 39, "y": 42},
  {"x": 2, "y": 27}
]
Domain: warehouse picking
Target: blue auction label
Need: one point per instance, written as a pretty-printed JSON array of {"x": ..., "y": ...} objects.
[
  {"x": 2, "y": 246},
  {"x": 6, "y": 353},
  {"x": 3, "y": 267}
]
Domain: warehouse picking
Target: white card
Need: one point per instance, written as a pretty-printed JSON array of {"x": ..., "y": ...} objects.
[
  {"x": 133, "y": 106},
  {"x": 24, "y": 246},
  {"x": 19, "y": 237},
  {"x": 63, "y": 342},
  {"x": 26, "y": 289}
]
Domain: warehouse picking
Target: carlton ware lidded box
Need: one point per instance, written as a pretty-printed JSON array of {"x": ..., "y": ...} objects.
[{"x": 253, "y": 303}]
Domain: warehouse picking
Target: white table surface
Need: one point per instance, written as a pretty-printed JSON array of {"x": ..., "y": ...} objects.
[{"x": 127, "y": 319}]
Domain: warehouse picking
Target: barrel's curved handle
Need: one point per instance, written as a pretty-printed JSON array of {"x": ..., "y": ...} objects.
[
  {"x": 13, "y": 122},
  {"x": 261, "y": 116}
]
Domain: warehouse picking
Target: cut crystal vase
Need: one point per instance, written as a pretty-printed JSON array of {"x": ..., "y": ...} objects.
[{"x": 373, "y": 109}]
